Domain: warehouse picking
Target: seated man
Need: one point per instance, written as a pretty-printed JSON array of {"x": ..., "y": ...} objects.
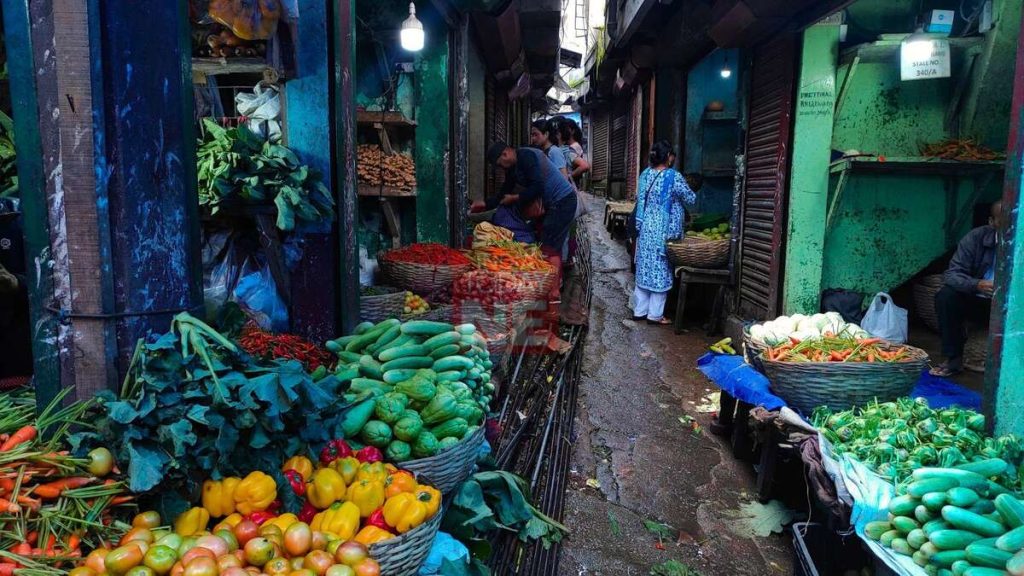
[
  {"x": 967, "y": 291},
  {"x": 15, "y": 335}
]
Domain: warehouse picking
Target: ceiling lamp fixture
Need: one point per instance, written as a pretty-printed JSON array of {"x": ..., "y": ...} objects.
[
  {"x": 412, "y": 34},
  {"x": 726, "y": 71}
]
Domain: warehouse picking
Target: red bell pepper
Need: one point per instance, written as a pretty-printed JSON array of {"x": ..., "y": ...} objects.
[
  {"x": 370, "y": 454},
  {"x": 298, "y": 485},
  {"x": 260, "y": 517},
  {"x": 377, "y": 519},
  {"x": 307, "y": 512},
  {"x": 334, "y": 450}
]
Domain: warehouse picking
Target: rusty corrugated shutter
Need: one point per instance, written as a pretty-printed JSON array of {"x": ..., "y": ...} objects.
[
  {"x": 767, "y": 169},
  {"x": 633, "y": 143},
  {"x": 496, "y": 114},
  {"x": 599, "y": 146},
  {"x": 617, "y": 143}
]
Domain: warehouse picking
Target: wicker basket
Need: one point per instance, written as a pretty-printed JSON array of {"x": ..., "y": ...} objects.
[
  {"x": 842, "y": 385},
  {"x": 541, "y": 281},
  {"x": 420, "y": 278},
  {"x": 698, "y": 252},
  {"x": 404, "y": 554},
  {"x": 449, "y": 469},
  {"x": 382, "y": 306},
  {"x": 924, "y": 300},
  {"x": 752, "y": 351},
  {"x": 438, "y": 313}
]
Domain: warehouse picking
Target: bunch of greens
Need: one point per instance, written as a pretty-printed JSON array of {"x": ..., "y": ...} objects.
[
  {"x": 895, "y": 438},
  {"x": 495, "y": 500},
  {"x": 195, "y": 406},
  {"x": 8, "y": 170},
  {"x": 236, "y": 164}
]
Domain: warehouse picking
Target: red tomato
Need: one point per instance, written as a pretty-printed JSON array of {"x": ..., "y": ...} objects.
[
  {"x": 298, "y": 539},
  {"x": 246, "y": 530},
  {"x": 368, "y": 567},
  {"x": 94, "y": 561},
  {"x": 160, "y": 559},
  {"x": 340, "y": 570},
  {"x": 351, "y": 553},
  {"x": 318, "y": 561},
  {"x": 202, "y": 566},
  {"x": 197, "y": 552},
  {"x": 259, "y": 551},
  {"x": 278, "y": 566},
  {"x": 228, "y": 561},
  {"x": 120, "y": 560},
  {"x": 214, "y": 544},
  {"x": 82, "y": 571},
  {"x": 149, "y": 519}
]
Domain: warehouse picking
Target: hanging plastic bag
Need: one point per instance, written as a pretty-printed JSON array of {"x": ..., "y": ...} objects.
[
  {"x": 222, "y": 265},
  {"x": 367, "y": 267},
  {"x": 885, "y": 319},
  {"x": 247, "y": 19},
  {"x": 256, "y": 293},
  {"x": 262, "y": 107}
]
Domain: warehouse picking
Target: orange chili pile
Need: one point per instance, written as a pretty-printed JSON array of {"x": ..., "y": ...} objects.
[
  {"x": 510, "y": 256},
  {"x": 428, "y": 253},
  {"x": 838, "y": 350},
  {"x": 266, "y": 345}
]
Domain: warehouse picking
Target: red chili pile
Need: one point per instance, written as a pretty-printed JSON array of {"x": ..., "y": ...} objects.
[
  {"x": 428, "y": 253},
  {"x": 266, "y": 345}
]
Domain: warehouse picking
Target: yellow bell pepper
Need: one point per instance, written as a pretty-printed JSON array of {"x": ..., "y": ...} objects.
[
  {"x": 283, "y": 521},
  {"x": 431, "y": 498},
  {"x": 255, "y": 493},
  {"x": 391, "y": 468},
  {"x": 348, "y": 468},
  {"x": 341, "y": 519},
  {"x": 371, "y": 535},
  {"x": 400, "y": 482},
  {"x": 368, "y": 495},
  {"x": 372, "y": 471},
  {"x": 325, "y": 488},
  {"x": 404, "y": 512},
  {"x": 191, "y": 521},
  {"x": 301, "y": 464},
  {"x": 219, "y": 496},
  {"x": 229, "y": 522}
]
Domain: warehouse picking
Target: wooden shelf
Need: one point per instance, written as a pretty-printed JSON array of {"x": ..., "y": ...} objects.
[
  {"x": 720, "y": 117},
  {"x": 221, "y": 66},
  {"x": 887, "y": 50},
  {"x": 371, "y": 191},
  {"x": 917, "y": 165},
  {"x": 387, "y": 118},
  {"x": 718, "y": 172}
]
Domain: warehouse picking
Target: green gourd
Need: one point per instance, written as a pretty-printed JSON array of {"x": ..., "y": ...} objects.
[
  {"x": 390, "y": 406},
  {"x": 417, "y": 388},
  {"x": 442, "y": 407},
  {"x": 425, "y": 445},
  {"x": 398, "y": 451},
  {"x": 407, "y": 428},
  {"x": 454, "y": 428},
  {"x": 377, "y": 433}
]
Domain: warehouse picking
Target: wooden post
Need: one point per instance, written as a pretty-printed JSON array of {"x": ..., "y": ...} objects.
[{"x": 345, "y": 157}]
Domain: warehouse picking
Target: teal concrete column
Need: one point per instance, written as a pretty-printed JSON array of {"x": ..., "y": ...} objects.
[
  {"x": 432, "y": 137},
  {"x": 808, "y": 188}
]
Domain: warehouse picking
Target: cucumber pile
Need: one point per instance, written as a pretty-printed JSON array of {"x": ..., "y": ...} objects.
[
  {"x": 416, "y": 388},
  {"x": 956, "y": 521}
]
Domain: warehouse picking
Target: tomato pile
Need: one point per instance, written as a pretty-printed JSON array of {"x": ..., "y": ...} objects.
[
  {"x": 427, "y": 253},
  {"x": 489, "y": 288}
]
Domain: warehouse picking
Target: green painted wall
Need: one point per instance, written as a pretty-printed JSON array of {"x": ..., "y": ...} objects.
[
  {"x": 988, "y": 100},
  {"x": 808, "y": 188},
  {"x": 1010, "y": 389},
  {"x": 432, "y": 137}
]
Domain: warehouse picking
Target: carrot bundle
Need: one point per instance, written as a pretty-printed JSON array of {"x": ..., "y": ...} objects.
[{"x": 838, "y": 350}]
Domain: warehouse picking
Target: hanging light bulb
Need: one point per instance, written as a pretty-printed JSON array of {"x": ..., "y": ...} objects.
[
  {"x": 726, "y": 71},
  {"x": 412, "y": 35}
]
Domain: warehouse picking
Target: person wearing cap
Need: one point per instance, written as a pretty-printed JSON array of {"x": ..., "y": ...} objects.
[
  {"x": 531, "y": 179},
  {"x": 15, "y": 334}
]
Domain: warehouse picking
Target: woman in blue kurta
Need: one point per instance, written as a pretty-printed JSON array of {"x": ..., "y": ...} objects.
[{"x": 661, "y": 193}]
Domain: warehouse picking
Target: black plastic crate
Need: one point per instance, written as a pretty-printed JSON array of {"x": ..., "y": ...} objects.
[{"x": 818, "y": 551}]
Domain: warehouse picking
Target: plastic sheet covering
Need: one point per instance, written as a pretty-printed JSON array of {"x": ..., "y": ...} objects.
[{"x": 730, "y": 373}]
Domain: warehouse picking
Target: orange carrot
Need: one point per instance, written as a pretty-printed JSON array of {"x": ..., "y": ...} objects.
[
  {"x": 868, "y": 341},
  {"x": 7, "y": 568},
  {"x": 118, "y": 500},
  {"x": 32, "y": 537},
  {"x": 23, "y": 435},
  {"x": 57, "y": 487},
  {"x": 22, "y": 549},
  {"x": 73, "y": 542},
  {"x": 871, "y": 356},
  {"x": 30, "y": 503},
  {"x": 9, "y": 507}
]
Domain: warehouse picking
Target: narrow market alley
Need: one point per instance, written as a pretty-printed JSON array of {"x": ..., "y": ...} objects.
[{"x": 636, "y": 457}]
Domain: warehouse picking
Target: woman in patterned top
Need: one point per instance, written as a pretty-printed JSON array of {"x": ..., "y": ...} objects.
[{"x": 661, "y": 193}]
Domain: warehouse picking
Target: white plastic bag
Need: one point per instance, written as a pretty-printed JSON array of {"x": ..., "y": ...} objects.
[
  {"x": 262, "y": 107},
  {"x": 885, "y": 319}
]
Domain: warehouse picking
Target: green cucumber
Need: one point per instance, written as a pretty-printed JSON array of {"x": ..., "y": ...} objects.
[
  {"x": 362, "y": 327},
  {"x": 987, "y": 556},
  {"x": 946, "y": 558},
  {"x": 961, "y": 497},
  {"x": 344, "y": 373},
  {"x": 987, "y": 468},
  {"x": 919, "y": 558},
  {"x": 425, "y": 328},
  {"x": 887, "y": 538},
  {"x": 983, "y": 506},
  {"x": 452, "y": 363},
  {"x": 934, "y": 501},
  {"x": 466, "y": 329},
  {"x": 449, "y": 376},
  {"x": 983, "y": 571},
  {"x": 413, "y": 362},
  {"x": 403, "y": 352},
  {"x": 402, "y": 340},
  {"x": 965, "y": 478},
  {"x": 905, "y": 524},
  {"x": 943, "y": 572},
  {"x": 937, "y": 524},
  {"x": 1011, "y": 510},
  {"x": 903, "y": 505},
  {"x": 442, "y": 339},
  {"x": 370, "y": 336},
  {"x": 874, "y": 530},
  {"x": 1015, "y": 565},
  {"x": 348, "y": 357},
  {"x": 399, "y": 375},
  {"x": 1012, "y": 541},
  {"x": 356, "y": 417},
  {"x": 386, "y": 338},
  {"x": 923, "y": 514},
  {"x": 370, "y": 367},
  {"x": 990, "y": 542},
  {"x": 443, "y": 351},
  {"x": 928, "y": 549},
  {"x": 967, "y": 520},
  {"x": 960, "y": 566},
  {"x": 921, "y": 487},
  {"x": 917, "y": 538},
  {"x": 901, "y": 546},
  {"x": 952, "y": 539},
  {"x": 360, "y": 385}
]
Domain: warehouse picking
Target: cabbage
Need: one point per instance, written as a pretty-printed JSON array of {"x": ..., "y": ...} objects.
[
  {"x": 757, "y": 334},
  {"x": 820, "y": 320},
  {"x": 835, "y": 316},
  {"x": 797, "y": 318},
  {"x": 773, "y": 338},
  {"x": 785, "y": 324},
  {"x": 808, "y": 325},
  {"x": 802, "y": 335}
]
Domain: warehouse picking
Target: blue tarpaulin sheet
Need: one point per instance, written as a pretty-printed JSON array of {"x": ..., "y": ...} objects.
[{"x": 730, "y": 373}]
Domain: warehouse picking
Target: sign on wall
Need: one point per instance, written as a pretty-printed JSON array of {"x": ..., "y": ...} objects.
[{"x": 924, "y": 59}]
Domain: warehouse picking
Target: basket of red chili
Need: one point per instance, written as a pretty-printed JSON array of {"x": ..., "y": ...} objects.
[{"x": 422, "y": 268}]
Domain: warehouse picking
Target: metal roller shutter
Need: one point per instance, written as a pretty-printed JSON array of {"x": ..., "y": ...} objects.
[
  {"x": 599, "y": 146},
  {"x": 617, "y": 143},
  {"x": 633, "y": 144},
  {"x": 767, "y": 166},
  {"x": 496, "y": 113}
]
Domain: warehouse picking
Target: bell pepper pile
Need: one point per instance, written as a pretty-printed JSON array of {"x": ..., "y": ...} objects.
[
  {"x": 832, "y": 349},
  {"x": 268, "y": 346},
  {"x": 427, "y": 253},
  {"x": 510, "y": 256}
]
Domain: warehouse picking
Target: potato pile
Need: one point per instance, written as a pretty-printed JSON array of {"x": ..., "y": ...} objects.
[{"x": 374, "y": 167}]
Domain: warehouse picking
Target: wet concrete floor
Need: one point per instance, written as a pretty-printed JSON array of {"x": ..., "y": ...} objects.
[{"x": 635, "y": 460}]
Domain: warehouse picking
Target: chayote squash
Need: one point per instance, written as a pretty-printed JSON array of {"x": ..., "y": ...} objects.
[
  {"x": 425, "y": 445},
  {"x": 398, "y": 451},
  {"x": 442, "y": 407},
  {"x": 408, "y": 428},
  {"x": 469, "y": 411},
  {"x": 454, "y": 428},
  {"x": 377, "y": 433},
  {"x": 447, "y": 444},
  {"x": 390, "y": 406},
  {"x": 417, "y": 388}
]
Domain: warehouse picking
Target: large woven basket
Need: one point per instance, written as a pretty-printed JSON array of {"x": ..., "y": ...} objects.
[
  {"x": 540, "y": 281},
  {"x": 752, "y": 351},
  {"x": 437, "y": 313},
  {"x": 420, "y": 278},
  {"x": 924, "y": 300},
  {"x": 449, "y": 469},
  {"x": 698, "y": 252},
  {"x": 382, "y": 306},
  {"x": 404, "y": 554},
  {"x": 842, "y": 385}
]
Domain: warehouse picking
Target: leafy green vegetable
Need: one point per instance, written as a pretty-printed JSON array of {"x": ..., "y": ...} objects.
[
  {"x": 662, "y": 531},
  {"x": 496, "y": 500},
  {"x": 8, "y": 169},
  {"x": 673, "y": 568},
  {"x": 756, "y": 519},
  {"x": 234, "y": 164}
]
